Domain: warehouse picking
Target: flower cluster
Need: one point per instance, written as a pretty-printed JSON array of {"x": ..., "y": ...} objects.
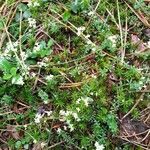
[
  {"x": 17, "y": 80},
  {"x": 32, "y": 23},
  {"x": 42, "y": 64},
  {"x": 113, "y": 39},
  {"x": 49, "y": 77},
  {"x": 86, "y": 100},
  {"x": 33, "y": 4},
  {"x": 37, "y": 47},
  {"x": 98, "y": 146},
  {"x": 64, "y": 117},
  {"x": 10, "y": 46},
  {"x": 80, "y": 30},
  {"x": 39, "y": 116}
]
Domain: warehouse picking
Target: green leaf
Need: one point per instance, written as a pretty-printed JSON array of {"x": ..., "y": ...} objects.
[
  {"x": 18, "y": 80},
  {"x": 5, "y": 65},
  {"x": 13, "y": 71},
  {"x": 43, "y": 95},
  {"x": 66, "y": 15},
  {"x": 50, "y": 43},
  {"x": 7, "y": 76},
  {"x": 27, "y": 14},
  {"x": 22, "y": 7}
]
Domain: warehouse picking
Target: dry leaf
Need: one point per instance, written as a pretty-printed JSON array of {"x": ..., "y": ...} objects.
[
  {"x": 13, "y": 132},
  {"x": 37, "y": 146},
  {"x": 136, "y": 41}
]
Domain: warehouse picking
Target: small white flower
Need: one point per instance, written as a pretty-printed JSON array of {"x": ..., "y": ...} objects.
[
  {"x": 65, "y": 128},
  {"x": 42, "y": 64},
  {"x": 46, "y": 59},
  {"x": 32, "y": 23},
  {"x": 43, "y": 144},
  {"x": 35, "y": 4},
  {"x": 33, "y": 74},
  {"x": 87, "y": 100},
  {"x": 113, "y": 39},
  {"x": 91, "y": 13},
  {"x": 17, "y": 80},
  {"x": 15, "y": 44},
  {"x": 80, "y": 30},
  {"x": 98, "y": 146},
  {"x": 59, "y": 130},
  {"x": 94, "y": 76},
  {"x": 71, "y": 127},
  {"x": 62, "y": 112},
  {"x": 38, "y": 117},
  {"x": 49, "y": 77},
  {"x": 75, "y": 115},
  {"x": 48, "y": 113},
  {"x": 34, "y": 141},
  {"x": 23, "y": 55},
  {"x": 46, "y": 101},
  {"x": 36, "y": 47},
  {"x": 93, "y": 49},
  {"x": 25, "y": 127},
  {"x": 78, "y": 101}
]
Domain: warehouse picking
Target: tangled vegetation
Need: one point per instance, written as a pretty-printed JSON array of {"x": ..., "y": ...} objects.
[{"x": 74, "y": 74}]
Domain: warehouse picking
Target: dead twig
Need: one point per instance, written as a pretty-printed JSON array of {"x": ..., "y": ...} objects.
[{"x": 141, "y": 18}]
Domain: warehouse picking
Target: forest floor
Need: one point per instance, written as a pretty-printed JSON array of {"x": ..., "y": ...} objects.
[{"x": 75, "y": 75}]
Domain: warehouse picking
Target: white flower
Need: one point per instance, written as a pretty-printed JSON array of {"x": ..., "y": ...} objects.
[
  {"x": 23, "y": 55},
  {"x": 78, "y": 109},
  {"x": 42, "y": 64},
  {"x": 80, "y": 30},
  {"x": 35, "y": 4},
  {"x": 87, "y": 100},
  {"x": 49, "y": 77},
  {"x": 94, "y": 76},
  {"x": 48, "y": 112},
  {"x": 17, "y": 80},
  {"x": 76, "y": 117},
  {"x": 34, "y": 141},
  {"x": 33, "y": 74},
  {"x": 43, "y": 144},
  {"x": 93, "y": 49},
  {"x": 98, "y": 146},
  {"x": 32, "y": 22},
  {"x": 71, "y": 127},
  {"x": 25, "y": 127},
  {"x": 46, "y": 101},
  {"x": 38, "y": 117},
  {"x": 15, "y": 44},
  {"x": 62, "y": 112},
  {"x": 91, "y": 13},
  {"x": 78, "y": 101},
  {"x": 113, "y": 39},
  {"x": 59, "y": 130},
  {"x": 37, "y": 47},
  {"x": 65, "y": 128}
]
